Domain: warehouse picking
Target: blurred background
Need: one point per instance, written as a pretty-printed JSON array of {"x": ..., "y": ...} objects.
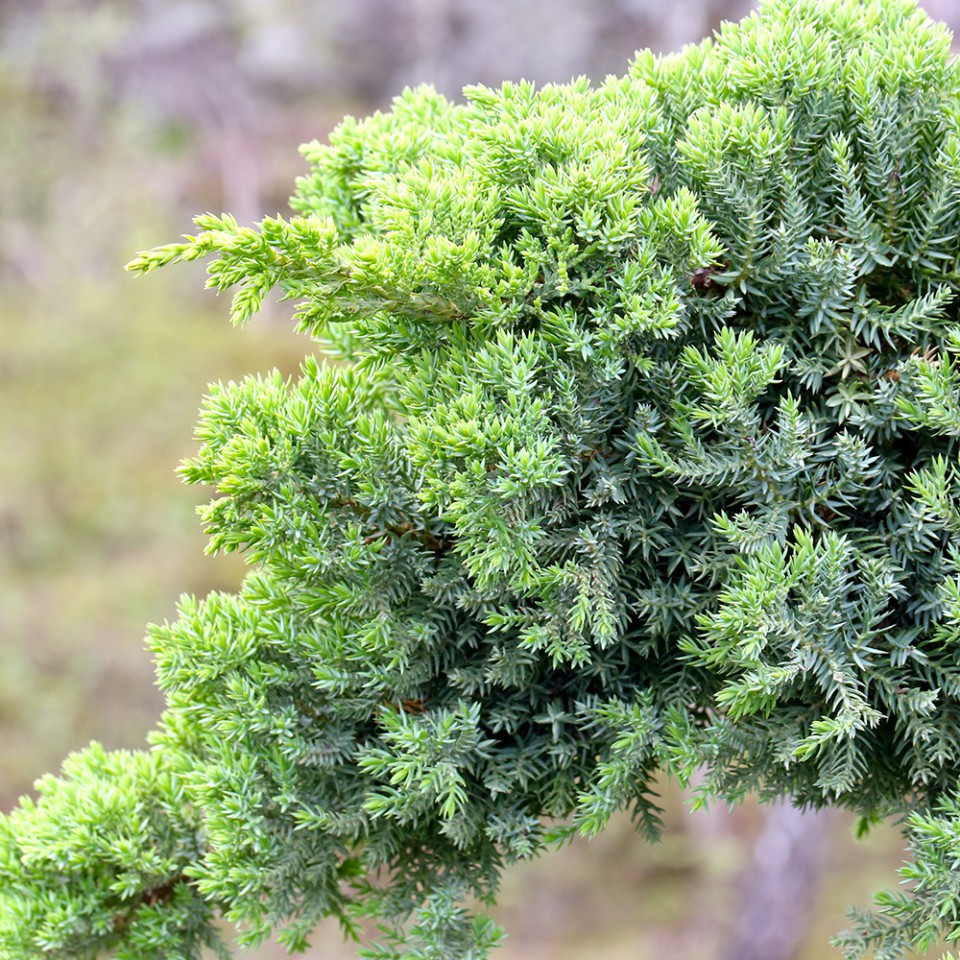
[{"x": 120, "y": 119}]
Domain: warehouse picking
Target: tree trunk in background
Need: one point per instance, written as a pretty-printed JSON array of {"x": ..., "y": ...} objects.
[{"x": 779, "y": 885}]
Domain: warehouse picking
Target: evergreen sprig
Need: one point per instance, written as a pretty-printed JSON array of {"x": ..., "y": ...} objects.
[{"x": 643, "y": 458}]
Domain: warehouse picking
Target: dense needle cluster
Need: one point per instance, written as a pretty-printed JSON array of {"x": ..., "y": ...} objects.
[{"x": 642, "y": 457}]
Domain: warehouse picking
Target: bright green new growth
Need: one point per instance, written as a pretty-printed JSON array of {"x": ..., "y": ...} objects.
[{"x": 644, "y": 459}]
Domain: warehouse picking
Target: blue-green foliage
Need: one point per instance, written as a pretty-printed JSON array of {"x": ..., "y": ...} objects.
[{"x": 643, "y": 458}]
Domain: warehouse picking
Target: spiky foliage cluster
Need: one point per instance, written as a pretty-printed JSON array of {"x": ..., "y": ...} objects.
[{"x": 644, "y": 458}]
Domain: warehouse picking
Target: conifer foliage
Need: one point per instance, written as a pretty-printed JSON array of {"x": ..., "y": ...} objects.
[{"x": 642, "y": 457}]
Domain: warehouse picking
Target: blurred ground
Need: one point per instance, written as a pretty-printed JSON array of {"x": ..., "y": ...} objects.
[{"x": 120, "y": 119}]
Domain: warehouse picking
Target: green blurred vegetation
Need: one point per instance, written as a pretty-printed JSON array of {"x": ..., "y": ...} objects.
[{"x": 100, "y": 380}]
